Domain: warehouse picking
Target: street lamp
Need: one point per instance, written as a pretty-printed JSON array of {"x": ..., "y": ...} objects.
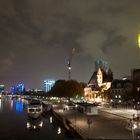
[{"x": 69, "y": 63}]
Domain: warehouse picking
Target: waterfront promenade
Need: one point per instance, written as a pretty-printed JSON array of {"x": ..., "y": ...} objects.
[
  {"x": 108, "y": 124},
  {"x": 121, "y": 112}
]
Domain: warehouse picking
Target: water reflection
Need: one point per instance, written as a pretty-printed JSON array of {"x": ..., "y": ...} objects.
[
  {"x": 59, "y": 130},
  {"x": 18, "y": 105},
  {"x": 11, "y": 104},
  {"x": 1, "y": 105},
  {"x": 55, "y": 125},
  {"x": 8, "y": 104},
  {"x": 34, "y": 124},
  {"x": 15, "y": 123},
  {"x": 50, "y": 119}
]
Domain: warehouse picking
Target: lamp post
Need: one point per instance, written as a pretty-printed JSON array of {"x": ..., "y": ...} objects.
[
  {"x": 89, "y": 122},
  {"x": 69, "y": 63}
]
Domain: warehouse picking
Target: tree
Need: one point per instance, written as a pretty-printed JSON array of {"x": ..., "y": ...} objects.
[
  {"x": 64, "y": 88},
  {"x": 74, "y": 89},
  {"x": 58, "y": 89}
]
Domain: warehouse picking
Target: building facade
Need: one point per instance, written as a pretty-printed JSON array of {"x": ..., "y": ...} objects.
[
  {"x": 120, "y": 88},
  {"x": 136, "y": 79},
  {"x": 2, "y": 88},
  {"x": 100, "y": 81},
  {"x": 126, "y": 88}
]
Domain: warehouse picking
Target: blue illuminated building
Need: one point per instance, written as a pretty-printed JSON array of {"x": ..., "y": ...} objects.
[
  {"x": 13, "y": 89},
  {"x": 20, "y": 87},
  {"x": 48, "y": 84}
]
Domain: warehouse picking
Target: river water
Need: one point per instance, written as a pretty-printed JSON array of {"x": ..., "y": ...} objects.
[{"x": 15, "y": 123}]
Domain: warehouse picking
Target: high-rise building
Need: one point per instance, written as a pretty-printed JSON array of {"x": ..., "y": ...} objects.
[
  {"x": 48, "y": 84},
  {"x": 13, "y": 89},
  {"x": 19, "y": 88},
  {"x": 2, "y": 88}
]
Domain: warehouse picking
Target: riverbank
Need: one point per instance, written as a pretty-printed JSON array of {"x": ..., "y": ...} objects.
[{"x": 102, "y": 126}]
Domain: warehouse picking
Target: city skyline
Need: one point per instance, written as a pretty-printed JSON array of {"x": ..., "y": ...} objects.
[{"x": 36, "y": 39}]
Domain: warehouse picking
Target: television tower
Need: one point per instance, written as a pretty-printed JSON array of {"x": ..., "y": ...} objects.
[{"x": 69, "y": 63}]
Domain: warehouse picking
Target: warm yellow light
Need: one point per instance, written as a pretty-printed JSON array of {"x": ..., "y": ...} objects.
[
  {"x": 0, "y": 104},
  {"x": 139, "y": 40}
]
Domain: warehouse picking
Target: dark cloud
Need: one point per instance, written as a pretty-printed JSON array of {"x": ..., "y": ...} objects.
[{"x": 36, "y": 38}]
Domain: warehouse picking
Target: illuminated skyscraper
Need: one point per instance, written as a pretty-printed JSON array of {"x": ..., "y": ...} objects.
[
  {"x": 1, "y": 88},
  {"x": 48, "y": 84},
  {"x": 13, "y": 89},
  {"x": 19, "y": 88}
]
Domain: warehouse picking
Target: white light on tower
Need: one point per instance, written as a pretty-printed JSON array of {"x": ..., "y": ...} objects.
[
  {"x": 69, "y": 68},
  {"x": 69, "y": 63}
]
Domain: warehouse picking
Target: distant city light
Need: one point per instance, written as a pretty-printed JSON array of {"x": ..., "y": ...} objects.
[{"x": 18, "y": 88}]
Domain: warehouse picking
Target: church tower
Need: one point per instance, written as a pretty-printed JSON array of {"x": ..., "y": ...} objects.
[{"x": 99, "y": 77}]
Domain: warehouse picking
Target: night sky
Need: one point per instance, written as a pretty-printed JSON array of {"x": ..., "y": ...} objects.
[{"x": 36, "y": 38}]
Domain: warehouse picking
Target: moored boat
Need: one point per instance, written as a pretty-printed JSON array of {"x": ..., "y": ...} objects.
[{"x": 34, "y": 109}]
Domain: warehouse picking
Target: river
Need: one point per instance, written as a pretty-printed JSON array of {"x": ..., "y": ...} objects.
[{"x": 15, "y": 123}]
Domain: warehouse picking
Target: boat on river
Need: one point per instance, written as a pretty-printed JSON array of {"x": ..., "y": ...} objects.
[{"x": 34, "y": 109}]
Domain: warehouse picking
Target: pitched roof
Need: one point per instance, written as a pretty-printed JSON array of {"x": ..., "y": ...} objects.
[
  {"x": 107, "y": 77},
  {"x": 93, "y": 78}
]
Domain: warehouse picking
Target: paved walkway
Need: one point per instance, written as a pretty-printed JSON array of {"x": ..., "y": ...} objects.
[
  {"x": 102, "y": 126},
  {"x": 126, "y": 113}
]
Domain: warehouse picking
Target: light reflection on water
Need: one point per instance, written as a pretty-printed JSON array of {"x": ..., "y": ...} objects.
[
  {"x": 15, "y": 123},
  {"x": 7, "y": 104},
  {"x": 19, "y": 105},
  {"x": 1, "y": 105},
  {"x": 34, "y": 124}
]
